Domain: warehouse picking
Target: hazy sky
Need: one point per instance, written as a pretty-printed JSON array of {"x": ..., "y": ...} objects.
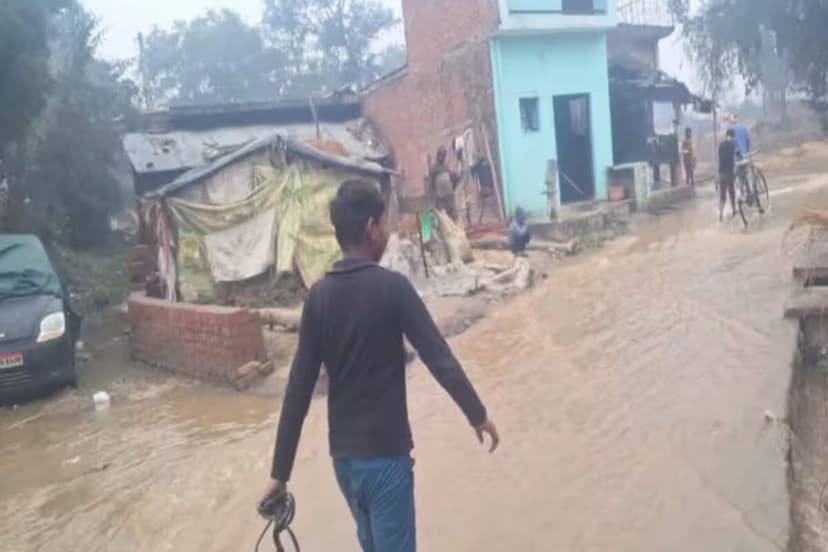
[{"x": 122, "y": 20}]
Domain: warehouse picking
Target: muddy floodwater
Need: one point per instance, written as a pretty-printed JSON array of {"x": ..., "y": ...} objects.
[{"x": 630, "y": 388}]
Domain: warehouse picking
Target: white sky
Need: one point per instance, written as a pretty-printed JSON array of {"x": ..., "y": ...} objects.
[{"x": 122, "y": 20}]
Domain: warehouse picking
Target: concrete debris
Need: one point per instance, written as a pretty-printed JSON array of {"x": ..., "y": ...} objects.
[
  {"x": 251, "y": 373},
  {"x": 568, "y": 248},
  {"x": 403, "y": 256},
  {"x": 518, "y": 278},
  {"x": 466, "y": 280}
]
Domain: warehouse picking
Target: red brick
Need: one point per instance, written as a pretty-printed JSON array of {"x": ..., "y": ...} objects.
[
  {"x": 447, "y": 85},
  {"x": 203, "y": 342}
]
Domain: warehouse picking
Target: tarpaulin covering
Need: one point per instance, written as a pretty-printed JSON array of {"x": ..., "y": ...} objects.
[
  {"x": 284, "y": 223},
  {"x": 25, "y": 268}
]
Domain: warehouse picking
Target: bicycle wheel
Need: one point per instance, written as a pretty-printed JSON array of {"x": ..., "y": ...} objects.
[{"x": 762, "y": 187}]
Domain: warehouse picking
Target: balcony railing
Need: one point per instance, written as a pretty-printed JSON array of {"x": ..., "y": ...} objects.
[{"x": 652, "y": 13}]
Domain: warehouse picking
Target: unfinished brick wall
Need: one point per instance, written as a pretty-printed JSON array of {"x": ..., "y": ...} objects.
[
  {"x": 205, "y": 342},
  {"x": 446, "y": 88}
]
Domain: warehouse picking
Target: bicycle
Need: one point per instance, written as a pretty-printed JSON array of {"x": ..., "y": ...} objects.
[{"x": 753, "y": 189}]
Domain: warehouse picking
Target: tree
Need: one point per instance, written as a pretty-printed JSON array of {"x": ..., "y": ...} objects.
[
  {"x": 332, "y": 39},
  {"x": 742, "y": 37},
  {"x": 24, "y": 64},
  {"x": 62, "y": 185},
  {"x": 391, "y": 58},
  {"x": 215, "y": 58},
  {"x": 304, "y": 47}
]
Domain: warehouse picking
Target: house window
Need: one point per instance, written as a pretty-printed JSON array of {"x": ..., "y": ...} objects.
[
  {"x": 530, "y": 114},
  {"x": 578, "y": 6}
]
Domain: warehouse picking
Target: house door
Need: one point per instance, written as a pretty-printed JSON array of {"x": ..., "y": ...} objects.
[{"x": 573, "y": 132}]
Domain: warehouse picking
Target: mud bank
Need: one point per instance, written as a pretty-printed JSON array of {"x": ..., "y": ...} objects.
[{"x": 808, "y": 453}]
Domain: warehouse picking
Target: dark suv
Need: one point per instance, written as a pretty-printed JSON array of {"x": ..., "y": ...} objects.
[{"x": 38, "y": 328}]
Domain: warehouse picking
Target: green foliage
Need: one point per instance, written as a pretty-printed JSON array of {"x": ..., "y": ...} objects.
[
  {"x": 304, "y": 47},
  {"x": 769, "y": 42},
  {"x": 24, "y": 64},
  {"x": 214, "y": 58},
  {"x": 333, "y": 37},
  {"x": 62, "y": 184}
]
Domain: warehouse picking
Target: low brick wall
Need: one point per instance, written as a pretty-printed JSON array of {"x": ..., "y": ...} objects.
[{"x": 212, "y": 343}]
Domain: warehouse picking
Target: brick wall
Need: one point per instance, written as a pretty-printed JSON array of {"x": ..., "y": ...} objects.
[
  {"x": 446, "y": 88},
  {"x": 204, "y": 342}
]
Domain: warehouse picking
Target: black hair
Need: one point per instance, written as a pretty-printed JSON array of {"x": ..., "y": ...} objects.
[
  {"x": 356, "y": 202},
  {"x": 730, "y": 132}
]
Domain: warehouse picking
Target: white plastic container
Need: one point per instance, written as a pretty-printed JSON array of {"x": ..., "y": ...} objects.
[{"x": 102, "y": 400}]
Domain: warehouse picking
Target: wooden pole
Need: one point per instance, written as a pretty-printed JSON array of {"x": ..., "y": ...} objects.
[
  {"x": 315, "y": 114},
  {"x": 501, "y": 212},
  {"x": 715, "y": 133},
  {"x": 422, "y": 244}
]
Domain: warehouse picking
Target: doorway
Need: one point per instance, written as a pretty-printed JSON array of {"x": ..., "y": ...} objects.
[{"x": 573, "y": 130}]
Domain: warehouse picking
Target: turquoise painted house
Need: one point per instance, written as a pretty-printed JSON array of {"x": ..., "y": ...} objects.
[{"x": 551, "y": 93}]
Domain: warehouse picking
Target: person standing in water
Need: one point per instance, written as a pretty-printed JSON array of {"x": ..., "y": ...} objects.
[{"x": 353, "y": 322}]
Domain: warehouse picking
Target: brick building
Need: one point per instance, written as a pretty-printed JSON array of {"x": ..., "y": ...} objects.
[
  {"x": 445, "y": 89},
  {"x": 525, "y": 81}
]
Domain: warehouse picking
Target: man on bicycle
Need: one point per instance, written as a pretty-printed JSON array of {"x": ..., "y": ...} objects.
[
  {"x": 354, "y": 321},
  {"x": 727, "y": 172},
  {"x": 741, "y": 135}
]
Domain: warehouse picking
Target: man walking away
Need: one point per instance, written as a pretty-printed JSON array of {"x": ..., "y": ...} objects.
[
  {"x": 354, "y": 321},
  {"x": 519, "y": 234},
  {"x": 727, "y": 172}
]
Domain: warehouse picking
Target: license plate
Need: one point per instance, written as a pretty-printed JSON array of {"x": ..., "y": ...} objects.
[{"x": 11, "y": 361}]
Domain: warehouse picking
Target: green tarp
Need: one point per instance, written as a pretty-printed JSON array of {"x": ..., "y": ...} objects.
[
  {"x": 25, "y": 268},
  {"x": 217, "y": 239}
]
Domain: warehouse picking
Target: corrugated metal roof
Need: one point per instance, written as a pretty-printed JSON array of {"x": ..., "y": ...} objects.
[
  {"x": 188, "y": 149},
  {"x": 359, "y": 165}
]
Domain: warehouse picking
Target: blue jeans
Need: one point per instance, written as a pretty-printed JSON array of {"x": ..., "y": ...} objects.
[{"x": 380, "y": 494}]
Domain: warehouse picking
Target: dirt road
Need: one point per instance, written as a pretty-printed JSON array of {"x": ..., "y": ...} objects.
[{"x": 630, "y": 388}]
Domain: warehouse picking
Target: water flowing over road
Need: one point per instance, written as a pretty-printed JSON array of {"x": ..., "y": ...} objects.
[{"x": 630, "y": 388}]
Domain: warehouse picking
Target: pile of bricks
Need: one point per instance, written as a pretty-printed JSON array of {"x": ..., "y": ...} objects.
[{"x": 218, "y": 344}]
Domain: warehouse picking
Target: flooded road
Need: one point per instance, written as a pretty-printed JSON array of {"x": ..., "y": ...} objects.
[{"x": 630, "y": 389}]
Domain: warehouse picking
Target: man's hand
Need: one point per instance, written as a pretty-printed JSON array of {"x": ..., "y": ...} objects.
[
  {"x": 488, "y": 428},
  {"x": 275, "y": 489}
]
